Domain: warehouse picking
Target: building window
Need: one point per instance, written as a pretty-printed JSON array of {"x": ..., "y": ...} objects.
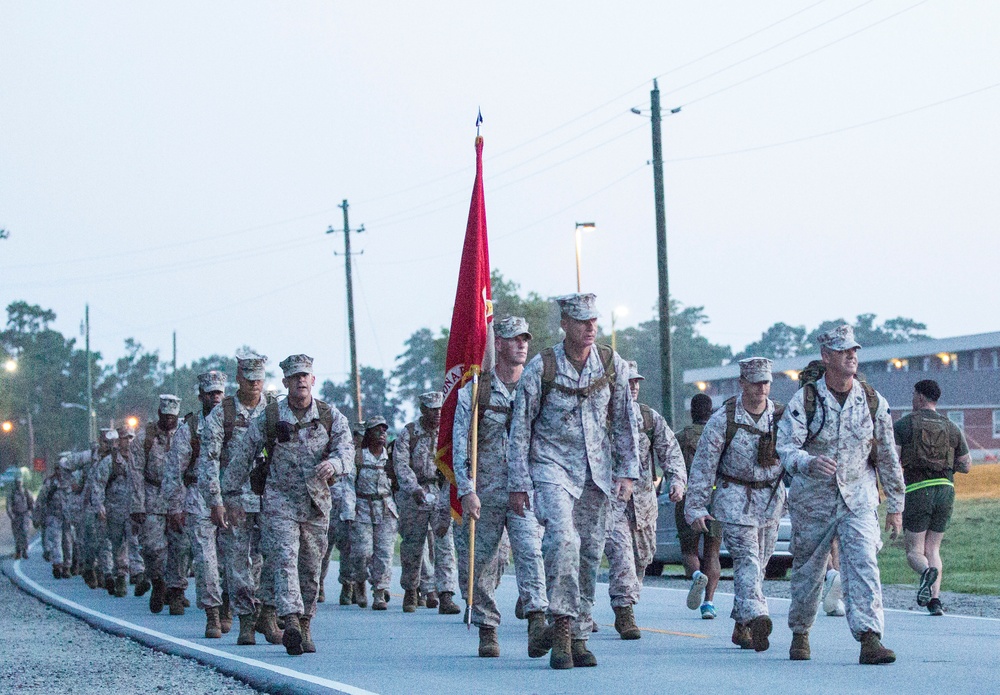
[
  {"x": 996, "y": 424},
  {"x": 996, "y": 359},
  {"x": 975, "y": 361},
  {"x": 927, "y": 364},
  {"x": 958, "y": 417},
  {"x": 898, "y": 365}
]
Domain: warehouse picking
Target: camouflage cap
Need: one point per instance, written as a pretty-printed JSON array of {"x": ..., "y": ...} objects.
[
  {"x": 110, "y": 434},
  {"x": 581, "y": 307},
  {"x": 375, "y": 421},
  {"x": 251, "y": 365},
  {"x": 212, "y": 380},
  {"x": 511, "y": 327},
  {"x": 838, "y": 339},
  {"x": 432, "y": 399},
  {"x": 756, "y": 369},
  {"x": 170, "y": 404},
  {"x": 296, "y": 364},
  {"x": 633, "y": 371},
  {"x": 358, "y": 428}
]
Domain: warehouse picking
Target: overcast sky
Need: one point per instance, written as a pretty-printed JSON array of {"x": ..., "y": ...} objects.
[{"x": 177, "y": 164}]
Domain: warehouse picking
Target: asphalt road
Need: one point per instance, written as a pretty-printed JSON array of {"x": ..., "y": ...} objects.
[{"x": 364, "y": 651}]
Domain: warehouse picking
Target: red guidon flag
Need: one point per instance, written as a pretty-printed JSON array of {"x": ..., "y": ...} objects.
[{"x": 470, "y": 343}]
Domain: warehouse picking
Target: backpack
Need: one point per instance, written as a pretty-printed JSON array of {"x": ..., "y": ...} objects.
[
  {"x": 607, "y": 356},
  {"x": 808, "y": 378},
  {"x": 485, "y": 395},
  {"x": 262, "y": 467},
  {"x": 767, "y": 454},
  {"x": 688, "y": 441},
  {"x": 190, "y": 477},
  {"x": 390, "y": 466},
  {"x": 930, "y": 448}
]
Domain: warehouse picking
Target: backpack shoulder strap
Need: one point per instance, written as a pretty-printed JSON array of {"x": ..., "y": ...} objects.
[
  {"x": 810, "y": 394},
  {"x": 411, "y": 429},
  {"x": 484, "y": 393},
  {"x": 871, "y": 396},
  {"x": 270, "y": 427},
  {"x": 228, "y": 418},
  {"x": 647, "y": 419},
  {"x": 325, "y": 415},
  {"x": 147, "y": 443},
  {"x": 548, "y": 370},
  {"x": 731, "y": 426},
  {"x": 607, "y": 356}
]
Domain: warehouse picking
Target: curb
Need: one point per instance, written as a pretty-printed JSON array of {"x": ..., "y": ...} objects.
[{"x": 259, "y": 675}]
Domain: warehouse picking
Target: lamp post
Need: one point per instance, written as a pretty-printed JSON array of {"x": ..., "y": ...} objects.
[
  {"x": 579, "y": 227},
  {"x": 618, "y": 312}
]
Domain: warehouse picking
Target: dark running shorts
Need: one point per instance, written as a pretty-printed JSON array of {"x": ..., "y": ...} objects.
[{"x": 928, "y": 509}]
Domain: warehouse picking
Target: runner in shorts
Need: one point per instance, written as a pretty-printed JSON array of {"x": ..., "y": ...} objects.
[{"x": 932, "y": 450}]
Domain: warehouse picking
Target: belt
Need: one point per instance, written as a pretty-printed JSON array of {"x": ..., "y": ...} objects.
[
  {"x": 933, "y": 482},
  {"x": 364, "y": 496},
  {"x": 752, "y": 484},
  {"x": 154, "y": 483}
]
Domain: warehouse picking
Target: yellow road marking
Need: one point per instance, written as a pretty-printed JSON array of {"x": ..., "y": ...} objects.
[{"x": 666, "y": 632}]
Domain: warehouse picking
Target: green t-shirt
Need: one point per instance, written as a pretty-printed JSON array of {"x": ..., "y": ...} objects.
[{"x": 904, "y": 437}]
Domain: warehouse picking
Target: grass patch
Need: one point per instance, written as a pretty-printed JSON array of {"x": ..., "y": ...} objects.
[{"x": 969, "y": 552}]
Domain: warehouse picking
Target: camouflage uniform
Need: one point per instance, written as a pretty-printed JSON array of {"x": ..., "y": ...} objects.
[
  {"x": 631, "y": 531},
  {"x": 181, "y": 490},
  {"x": 495, "y": 517},
  {"x": 110, "y": 492},
  {"x": 164, "y": 551},
  {"x": 844, "y": 505},
  {"x": 249, "y": 574},
  {"x": 58, "y": 536},
  {"x": 416, "y": 472},
  {"x": 749, "y": 516},
  {"x": 19, "y": 506},
  {"x": 339, "y": 535},
  {"x": 565, "y": 448},
  {"x": 373, "y": 531},
  {"x": 296, "y": 505}
]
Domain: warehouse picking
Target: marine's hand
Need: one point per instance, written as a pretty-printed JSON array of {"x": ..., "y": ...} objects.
[
  {"x": 102, "y": 514},
  {"x": 518, "y": 502},
  {"x": 471, "y": 505},
  {"x": 419, "y": 496},
  {"x": 621, "y": 488},
  {"x": 235, "y": 514},
  {"x": 822, "y": 467},
  {"x": 219, "y": 516},
  {"x": 324, "y": 471},
  {"x": 894, "y": 524},
  {"x": 676, "y": 492},
  {"x": 700, "y": 525}
]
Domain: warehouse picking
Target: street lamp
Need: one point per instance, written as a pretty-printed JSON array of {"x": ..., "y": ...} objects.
[
  {"x": 580, "y": 226},
  {"x": 617, "y": 312},
  {"x": 10, "y": 365},
  {"x": 7, "y": 426},
  {"x": 132, "y": 421}
]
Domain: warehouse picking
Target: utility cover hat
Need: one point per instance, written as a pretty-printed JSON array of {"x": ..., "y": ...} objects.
[
  {"x": 170, "y": 404},
  {"x": 581, "y": 307},
  {"x": 251, "y": 364},
  {"x": 296, "y": 364},
  {"x": 839, "y": 339},
  {"x": 756, "y": 369},
  {"x": 511, "y": 327}
]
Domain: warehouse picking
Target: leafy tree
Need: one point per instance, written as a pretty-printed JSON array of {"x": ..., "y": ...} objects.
[
  {"x": 375, "y": 397},
  {"x": 420, "y": 367},
  {"x": 780, "y": 340}
]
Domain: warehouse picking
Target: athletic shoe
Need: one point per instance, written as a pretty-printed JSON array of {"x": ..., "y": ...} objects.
[
  {"x": 708, "y": 611},
  {"x": 839, "y": 612},
  {"x": 934, "y": 607},
  {"x": 696, "y": 593},
  {"x": 833, "y": 592},
  {"x": 927, "y": 579}
]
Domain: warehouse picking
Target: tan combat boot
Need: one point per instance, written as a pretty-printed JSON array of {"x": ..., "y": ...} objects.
[
  {"x": 539, "y": 636},
  {"x": 157, "y": 596},
  {"x": 212, "y": 628},
  {"x": 561, "y": 656},
  {"x": 760, "y": 630},
  {"x": 410, "y": 601},
  {"x": 625, "y": 623},
  {"x": 226, "y": 614},
  {"x": 142, "y": 585},
  {"x": 109, "y": 584},
  {"x": 742, "y": 637},
  {"x": 121, "y": 586},
  {"x": 488, "y": 644},
  {"x": 247, "y": 636},
  {"x": 800, "y": 647},
  {"x": 176, "y": 601},
  {"x": 308, "y": 646},
  {"x": 346, "y": 594},
  {"x": 447, "y": 605},
  {"x": 361, "y": 595},
  {"x": 357, "y": 589},
  {"x": 321, "y": 597},
  {"x": 90, "y": 578},
  {"x": 292, "y": 637},
  {"x": 872, "y": 651},
  {"x": 267, "y": 625},
  {"x": 430, "y": 600},
  {"x": 378, "y": 600},
  {"x": 581, "y": 655}
]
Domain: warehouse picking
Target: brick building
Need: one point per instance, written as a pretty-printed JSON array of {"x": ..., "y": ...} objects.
[{"x": 967, "y": 368}]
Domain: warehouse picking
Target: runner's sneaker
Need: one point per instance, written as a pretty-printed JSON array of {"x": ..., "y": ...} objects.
[
  {"x": 839, "y": 612},
  {"x": 708, "y": 611},
  {"x": 833, "y": 593},
  {"x": 927, "y": 579},
  {"x": 934, "y": 607},
  {"x": 697, "y": 591}
]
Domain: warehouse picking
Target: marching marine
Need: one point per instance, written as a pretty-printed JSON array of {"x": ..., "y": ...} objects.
[{"x": 110, "y": 498}]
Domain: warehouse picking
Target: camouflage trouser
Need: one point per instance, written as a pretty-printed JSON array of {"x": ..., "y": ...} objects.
[
  {"x": 751, "y": 548},
  {"x": 93, "y": 533},
  {"x": 496, "y": 522},
  {"x": 249, "y": 577},
  {"x": 136, "y": 564},
  {"x": 427, "y": 565},
  {"x": 299, "y": 548},
  {"x": 624, "y": 583},
  {"x": 371, "y": 552},
  {"x": 203, "y": 537},
  {"x": 58, "y": 540},
  {"x": 117, "y": 540},
  {"x": 815, "y": 523},
  {"x": 178, "y": 559},
  {"x": 339, "y": 537},
  {"x": 414, "y": 523},
  {"x": 153, "y": 540},
  {"x": 461, "y": 535},
  {"x": 19, "y": 526},
  {"x": 571, "y": 545}
]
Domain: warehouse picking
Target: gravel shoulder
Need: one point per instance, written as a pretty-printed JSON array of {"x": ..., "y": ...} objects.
[{"x": 47, "y": 651}]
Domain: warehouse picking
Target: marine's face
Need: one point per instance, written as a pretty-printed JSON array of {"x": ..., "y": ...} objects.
[
  {"x": 843, "y": 362},
  {"x": 168, "y": 422},
  {"x": 211, "y": 398},
  {"x": 378, "y": 435},
  {"x": 579, "y": 333},
  {"x": 633, "y": 386},
  {"x": 252, "y": 388},
  {"x": 755, "y": 391},
  {"x": 432, "y": 416},
  {"x": 299, "y": 385},
  {"x": 513, "y": 350}
]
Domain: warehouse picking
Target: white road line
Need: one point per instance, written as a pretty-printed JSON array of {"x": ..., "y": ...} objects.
[{"x": 316, "y": 680}]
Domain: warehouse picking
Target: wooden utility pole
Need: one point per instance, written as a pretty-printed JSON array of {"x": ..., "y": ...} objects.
[
  {"x": 355, "y": 375},
  {"x": 666, "y": 362}
]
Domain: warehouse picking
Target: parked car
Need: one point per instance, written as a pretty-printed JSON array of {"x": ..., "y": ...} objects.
[{"x": 668, "y": 546}]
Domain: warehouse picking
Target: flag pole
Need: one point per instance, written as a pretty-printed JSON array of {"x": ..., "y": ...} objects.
[{"x": 473, "y": 464}]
